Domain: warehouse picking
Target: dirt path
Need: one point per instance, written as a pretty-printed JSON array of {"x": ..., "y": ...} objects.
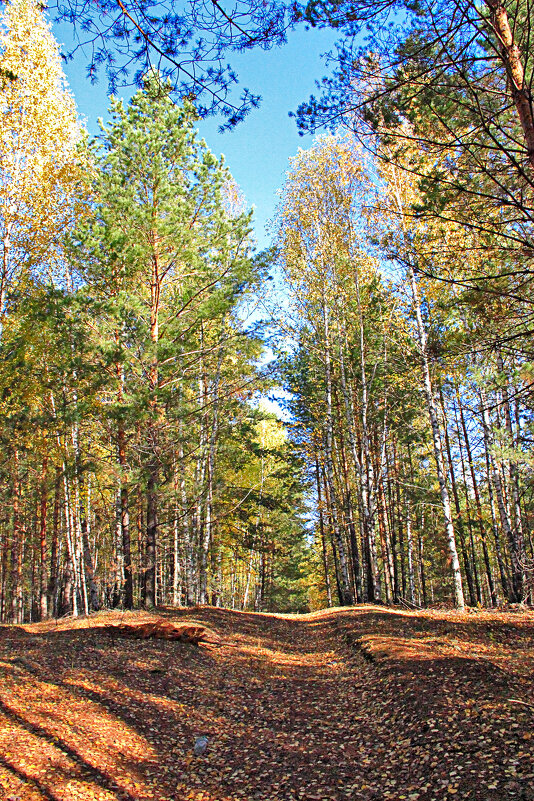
[{"x": 347, "y": 704}]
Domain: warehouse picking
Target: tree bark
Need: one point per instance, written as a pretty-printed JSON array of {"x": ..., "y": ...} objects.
[
  {"x": 346, "y": 592},
  {"x": 459, "y": 519},
  {"x": 210, "y": 474},
  {"x": 17, "y": 609},
  {"x": 409, "y": 539},
  {"x": 511, "y": 58},
  {"x": 151, "y": 536},
  {"x": 322, "y": 533},
  {"x": 432, "y": 414},
  {"x": 436, "y": 441},
  {"x": 43, "y": 590},
  {"x": 478, "y": 504},
  {"x": 53, "y": 570},
  {"x": 125, "y": 520},
  {"x": 516, "y": 589},
  {"x": 153, "y": 469}
]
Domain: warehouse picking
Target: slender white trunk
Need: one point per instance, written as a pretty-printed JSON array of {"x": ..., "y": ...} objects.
[
  {"x": 210, "y": 471},
  {"x": 436, "y": 441},
  {"x": 71, "y": 549},
  {"x": 433, "y": 417},
  {"x": 349, "y": 415},
  {"x": 249, "y": 575},
  {"x": 368, "y": 476}
]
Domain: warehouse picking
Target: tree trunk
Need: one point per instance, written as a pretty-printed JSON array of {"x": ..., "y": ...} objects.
[
  {"x": 151, "y": 536},
  {"x": 346, "y": 592},
  {"x": 411, "y": 575},
  {"x": 125, "y": 520},
  {"x": 421, "y": 561},
  {"x": 52, "y": 581},
  {"x": 322, "y": 533},
  {"x": 495, "y": 528},
  {"x": 516, "y": 588},
  {"x": 432, "y": 414},
  {"x": 436, "y": 440},
  {"x": 511, "y": 58},
  {"x": 459, "y": 519},
  {"x": 369, "y": 485},
  {"x": 71, "y": 582},
  {"x": 478, "y": 504},
  {"x": 385, "y": 538},
  {"x": 176, "y": 564},
  {"x": 210, "y": 473},
  {"x": 17, "y": 609},
  {"x": 150, "y": 583},
  {"x": 91, "y": 600},
  {"x": 332, "y": 538},
  {"x": 393, "y": 538},
  {"x": 43, "y": 593},
  {"x": 513, "y": 472}
]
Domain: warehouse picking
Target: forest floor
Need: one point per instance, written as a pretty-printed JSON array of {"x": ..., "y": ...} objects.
[{"x": 360, "y": 703}]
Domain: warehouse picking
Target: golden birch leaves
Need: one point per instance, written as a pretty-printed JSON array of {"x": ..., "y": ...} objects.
[{"x": 39, "y": 137}]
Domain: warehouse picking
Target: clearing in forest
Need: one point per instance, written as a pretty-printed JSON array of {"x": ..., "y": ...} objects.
[{"x": 358, "y": 703}]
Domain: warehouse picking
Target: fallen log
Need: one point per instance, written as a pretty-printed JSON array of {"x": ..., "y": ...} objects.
[{"x": 161, "y": 630}]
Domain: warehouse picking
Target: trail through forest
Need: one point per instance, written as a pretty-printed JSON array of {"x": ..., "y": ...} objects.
[{"x": 360, "y": 703}]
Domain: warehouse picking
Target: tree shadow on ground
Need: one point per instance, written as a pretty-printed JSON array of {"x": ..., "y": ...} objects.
[{"x": 287, "y": 702}]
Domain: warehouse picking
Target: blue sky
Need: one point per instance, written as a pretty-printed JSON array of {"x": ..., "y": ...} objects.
[{"x": 257, "y": 151}]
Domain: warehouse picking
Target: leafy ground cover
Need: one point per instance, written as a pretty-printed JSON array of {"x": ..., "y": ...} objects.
[{"x": 360, "y": 703}]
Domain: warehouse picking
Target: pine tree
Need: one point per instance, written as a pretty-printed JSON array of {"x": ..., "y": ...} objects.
[{"x": 162, "y": 257}]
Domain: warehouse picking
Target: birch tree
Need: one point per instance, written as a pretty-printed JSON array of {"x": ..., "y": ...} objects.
[{"x": 39, "y": 136}]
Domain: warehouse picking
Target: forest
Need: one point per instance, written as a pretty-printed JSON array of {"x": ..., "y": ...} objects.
[{"x": 141, "y": 330}]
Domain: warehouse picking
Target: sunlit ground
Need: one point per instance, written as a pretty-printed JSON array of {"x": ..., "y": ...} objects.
[{"x": 346, "y": 703}]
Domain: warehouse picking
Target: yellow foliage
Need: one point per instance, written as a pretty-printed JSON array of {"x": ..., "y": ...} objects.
[{"x": 39, "y": 138}]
